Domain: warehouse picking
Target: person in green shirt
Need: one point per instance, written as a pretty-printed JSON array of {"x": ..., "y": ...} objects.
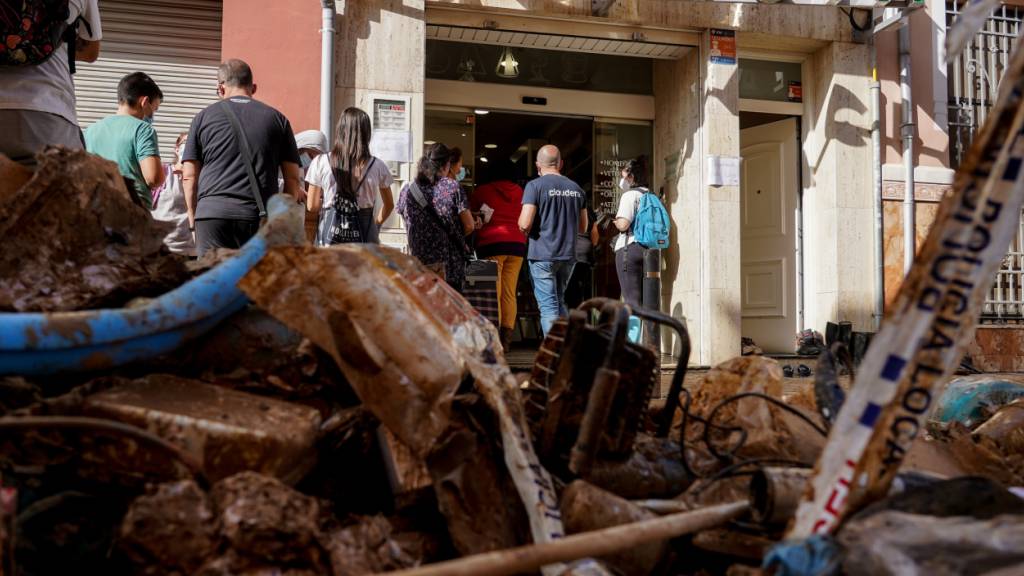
[{"x": 128, "y": 138}]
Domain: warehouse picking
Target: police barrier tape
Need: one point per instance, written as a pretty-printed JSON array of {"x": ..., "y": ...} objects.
[{"x": 927, "y": 327}]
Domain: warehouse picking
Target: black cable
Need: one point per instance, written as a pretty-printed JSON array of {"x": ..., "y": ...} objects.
[
  {"x": 853, "y": 21},
  {"x": 682, "y": 434},
  {"x": 730, "y": 470},
  {"x": 771, "y": 399}
]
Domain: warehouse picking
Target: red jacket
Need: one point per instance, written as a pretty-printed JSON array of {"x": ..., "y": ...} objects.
[{"x": 507, "y": 201}]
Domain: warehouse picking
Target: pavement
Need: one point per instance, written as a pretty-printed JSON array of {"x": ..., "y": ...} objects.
[{"x": 520, "y": 359}]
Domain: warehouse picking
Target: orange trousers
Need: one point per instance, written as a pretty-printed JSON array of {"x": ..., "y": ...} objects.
[{"x": 508, "y": 281}]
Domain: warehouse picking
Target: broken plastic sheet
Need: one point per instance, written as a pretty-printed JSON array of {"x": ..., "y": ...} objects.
[
  {"x": 405, "y": 341},
  {"x": 895, "y": 543},
  {"x": 929, "y": 324}
]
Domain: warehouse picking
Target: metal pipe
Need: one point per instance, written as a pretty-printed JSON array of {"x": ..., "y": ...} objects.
[
  {"x": 876, "y": 165},
  {"x": 908, "y": 132},
  {"x": 585, "y": 545},
  {"x": 327, "y": 68}
]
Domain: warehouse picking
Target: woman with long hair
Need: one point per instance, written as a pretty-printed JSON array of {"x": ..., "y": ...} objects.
[
  {"x": 350, "y": 177},
  {"x": 437, "y": 217}
]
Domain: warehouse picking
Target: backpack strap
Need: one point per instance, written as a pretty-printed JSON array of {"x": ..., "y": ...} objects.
[
  {"x": 337, "y": 181},
  {"x": 71, "y": 39},
  {"x": 417, "y": 196},
  {"x": 243, "y": 144}
]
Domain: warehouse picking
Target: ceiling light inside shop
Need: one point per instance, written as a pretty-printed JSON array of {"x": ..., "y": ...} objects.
[
  {"x": 481, "y": 112},
  {"x": 484, "y": 159},
  {"x": 508, "y": 66},
  {"x": 490, "y": 146},
  {"x": 429, "y": 142}
]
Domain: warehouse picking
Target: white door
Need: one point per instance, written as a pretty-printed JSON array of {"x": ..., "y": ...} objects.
[{"x": 768, "y": 209}]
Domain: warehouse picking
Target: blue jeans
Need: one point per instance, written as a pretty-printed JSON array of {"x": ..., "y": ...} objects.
[{"x": 549, "y": 282}]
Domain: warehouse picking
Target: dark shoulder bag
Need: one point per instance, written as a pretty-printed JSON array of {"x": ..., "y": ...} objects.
[
  {"x": 341, "y": 223},
  {"x": 421, "y": 201},
  {"x": 246, "y": 157}
]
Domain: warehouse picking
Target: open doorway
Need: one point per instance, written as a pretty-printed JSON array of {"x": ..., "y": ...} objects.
[
  {"x": 507, "y": 142},
  {"x": 495, "y": 143},
  {"x": 770, "y": 270}
]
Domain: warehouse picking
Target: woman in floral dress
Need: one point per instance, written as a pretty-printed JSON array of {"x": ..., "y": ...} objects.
[{"x": 438, "y": 227}]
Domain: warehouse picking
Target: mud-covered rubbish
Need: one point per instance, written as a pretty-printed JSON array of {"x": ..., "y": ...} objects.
[
  {"x": 172, "y": 531},
  {"x": 409, "y": 345},
  {"x": 1006, "y": 428},
  {"x": 382, "y": 331},
  {"x": 586, "y": 508},
  {"x": 759, "y": 428},
  {"x": 228, "y": 431},
  {"x": 952, "y": 451},
  {"x": 74, "y": 239},
  {"x": 253, "y": 524},
  {"x": 894, "y": 543},
  {"x": 653, "y": 470},
  {"x": 266, "y": 522},
  {"x": 371, "y": 547}
]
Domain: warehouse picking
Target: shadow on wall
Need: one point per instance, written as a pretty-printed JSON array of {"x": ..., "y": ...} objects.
[
  {"x": 841, "y": 101},
  {"x": 353, "y": 25}
]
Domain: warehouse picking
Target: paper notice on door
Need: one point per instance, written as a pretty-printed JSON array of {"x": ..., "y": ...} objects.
[
  {"x": 724, "y": 170},
  {"x": 392, "y": 145}
]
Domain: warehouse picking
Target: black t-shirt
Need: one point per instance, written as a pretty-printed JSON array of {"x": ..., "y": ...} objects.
[{"x": 224, "y": 190}]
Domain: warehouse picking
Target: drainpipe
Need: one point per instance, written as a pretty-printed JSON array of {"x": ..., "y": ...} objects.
[
  {"x": 327, "y": 68},
  {"x": 876, "y": 164},
  {"x": 907, "y": 129}
]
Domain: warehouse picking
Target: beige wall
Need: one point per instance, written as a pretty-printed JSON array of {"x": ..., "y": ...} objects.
[
  {"x": 379, "y": 51},
  {"x": 677, "y": 141},
  {"x": 776, "y": 27},
  {"x": 838, "y": 202},
  {"x": 701, "y": 271}
]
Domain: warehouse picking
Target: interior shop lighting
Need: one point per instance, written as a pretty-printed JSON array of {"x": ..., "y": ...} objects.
[{"x": 508, "y": 66}]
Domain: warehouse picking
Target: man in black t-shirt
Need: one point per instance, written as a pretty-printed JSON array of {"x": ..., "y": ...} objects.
[
  {"x": 554, "y": 212},
  {"x": 222, "y": 209}
]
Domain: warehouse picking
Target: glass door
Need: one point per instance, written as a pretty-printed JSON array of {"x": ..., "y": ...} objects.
[{"x": 616, "y": 142}]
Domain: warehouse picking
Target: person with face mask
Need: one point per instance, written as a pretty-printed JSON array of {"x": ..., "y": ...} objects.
[
  {"x": 169, "y": 204},
  {"x": 128, "y": 138},
  {"x": 629, "y": 255},
  {"x": 311, "y": 143}
]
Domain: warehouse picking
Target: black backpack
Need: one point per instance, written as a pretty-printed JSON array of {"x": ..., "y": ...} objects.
[
  {"x": 31, "y": 31},
  {"x": 341, "y": 222}
]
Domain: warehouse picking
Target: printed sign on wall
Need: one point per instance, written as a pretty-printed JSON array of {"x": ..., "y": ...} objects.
[{"x": 723, "y": 46}]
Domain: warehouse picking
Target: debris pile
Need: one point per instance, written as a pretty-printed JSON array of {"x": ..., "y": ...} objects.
[
  {"x": 74, "y": 238},
  {"x": 358, "y": 417}
]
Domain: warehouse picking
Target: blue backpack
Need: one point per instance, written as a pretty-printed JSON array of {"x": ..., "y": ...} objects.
[{"x": 651, "y": 224}]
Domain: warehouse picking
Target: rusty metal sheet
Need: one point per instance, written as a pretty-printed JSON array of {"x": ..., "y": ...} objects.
[{"x": 226, "y": 430}]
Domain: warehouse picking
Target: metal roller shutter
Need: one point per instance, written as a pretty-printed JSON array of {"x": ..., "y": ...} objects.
[{"x": 176, "y": 42}]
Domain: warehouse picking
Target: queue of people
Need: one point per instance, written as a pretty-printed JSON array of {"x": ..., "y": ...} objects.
[{"x": 239, "y": 151}]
